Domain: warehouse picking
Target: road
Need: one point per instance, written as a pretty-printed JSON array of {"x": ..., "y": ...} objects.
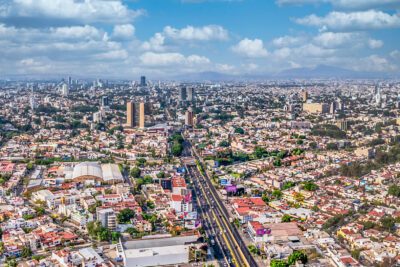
[{"x": 216, "y": 217}]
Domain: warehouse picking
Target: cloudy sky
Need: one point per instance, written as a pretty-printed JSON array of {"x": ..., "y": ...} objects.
[{"x": 167, "y": 38}]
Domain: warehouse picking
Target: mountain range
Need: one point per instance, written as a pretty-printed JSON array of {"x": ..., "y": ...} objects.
[{"x": 318, "y": 72}]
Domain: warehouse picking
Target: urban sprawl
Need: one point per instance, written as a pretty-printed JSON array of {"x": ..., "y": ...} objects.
[{"x": 150, "y": 173}]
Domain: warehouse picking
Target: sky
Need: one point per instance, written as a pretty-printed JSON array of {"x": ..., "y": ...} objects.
[{"x": 171, "y": 38}]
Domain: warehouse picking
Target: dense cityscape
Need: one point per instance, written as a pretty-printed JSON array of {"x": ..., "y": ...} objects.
[
  {"x": 148, "y": 173},
  {"x": 200, "y": 133}
]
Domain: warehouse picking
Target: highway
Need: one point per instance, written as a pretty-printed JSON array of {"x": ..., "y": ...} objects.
[{"x": 216, "y": 217}]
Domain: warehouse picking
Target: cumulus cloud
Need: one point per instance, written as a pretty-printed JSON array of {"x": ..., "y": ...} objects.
[
  {"x": 250, "y": 48},
  {"x": 188, "y": 33},
  {"x": 206, "y": 33},
  {"x": 87, "y": 11},
  {"x": 374, "y": 44},
  {"x": 170, "y": 59},
  {"x": 345, "y": 4},
  {"x": 123, "y": 31},
  {"x": 362, "y": 20},
  {"x": 285, "y": 41},
  {"x": 156, "y": 43}
]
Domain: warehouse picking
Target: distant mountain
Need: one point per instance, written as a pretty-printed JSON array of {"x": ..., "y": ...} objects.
[
  {"x": 320, "y": 71},
  {"x": 324, "y": 71}
]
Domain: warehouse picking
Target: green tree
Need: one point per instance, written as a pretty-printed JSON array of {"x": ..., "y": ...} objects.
[
  {"x": 297, "y": 256},
  {"x": 125, "y": 215},
  {"x": 286, "y": 218},
  {"x": 26, "y": 252},
  {"x": 239, "y": 130},
  {"x": 394, "y": 190},
  {"x": 310, "y": 186},
  {"x": 135, "y": 172},
  {"x": 278, "y": 263},
  {"x": 388, "y": 222},
  {"x": 277, "y": 194}
]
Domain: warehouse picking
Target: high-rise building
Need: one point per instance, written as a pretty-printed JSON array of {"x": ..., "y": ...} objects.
[
  {"x": 182, "y": 94},
  {"x": 64, "y": 90},
  {"x": 304, "y": 96},
  {"x": 189, "y": 117},
  {"x": 342, "y": 125},
  {"x": 69, "y": 81},
  {"x": 130, "y": 114},
  {"x": 143, "y": 81},
  {"x": 32, "y": 102},
  {"x": 190, "y": 93},
  {"x": 104, "y": 101},
  {"x": 141, "y": 115},
  {"x": 135, "y": 114}
]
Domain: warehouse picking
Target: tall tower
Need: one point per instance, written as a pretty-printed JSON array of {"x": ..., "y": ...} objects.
[
  {"x": 141, "y": 115},
  {"x": 304, "y": 96},
  {"x": 104, "y": 101},
  {"x": 135, "y": 114},
  {"x": 190, "y": 93},
  {"x": 130, "y": 114},
  {"x": 143, "y": 81},
  {"x": 189, "y": 117},
  {"x": 64, "y": 90},
  {"x": 182, "y": 94}
]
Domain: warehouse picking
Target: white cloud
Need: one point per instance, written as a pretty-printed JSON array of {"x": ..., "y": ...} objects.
[
  {"x": 87, "y": 11},
  {"x": 375, "y": 63},
  {"x": 285, "y": 41},
  {"x": 250, "y": 48},
  {"x": 362, "y": 20},
  {"x": 123, "y": 31},
  {"x": 395, "y": 54},
  {"x": 156, "y": 43},
  {"x": 77, "y": 32},
  {"x": 338, "y": 39},
  {"x": 190, "y": 33},
  {"x": 170, "y": 59},
  {"x": 345, "y": 4},
  {"x": 374, "y": 44}
]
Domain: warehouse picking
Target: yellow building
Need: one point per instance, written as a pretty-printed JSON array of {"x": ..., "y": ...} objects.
[{"x": 316, "y": 107}]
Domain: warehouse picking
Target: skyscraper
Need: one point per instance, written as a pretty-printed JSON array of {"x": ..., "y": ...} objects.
[
  {"x": 135, "y": 114},
  {"x": 104, "y": 101},
  {"x": 304, "y": 96},
  {"x": 130, "y": 114},
  {"x": 182, "y": 94},
  {"x": 64, "y": 90},
  {"x": 69, "y": 81},
  {"x": 143, "y": 81},
  {"x": 141, "y": 115},
  {"x": 190, "y": 93},
  {"x": 189, "y": 117}
]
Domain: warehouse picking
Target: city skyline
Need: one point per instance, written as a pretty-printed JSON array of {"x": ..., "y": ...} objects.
[{"x": 174, "y": 38}]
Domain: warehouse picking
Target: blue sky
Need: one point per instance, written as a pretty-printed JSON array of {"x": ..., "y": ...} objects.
[{"x": 168, "y": 38}]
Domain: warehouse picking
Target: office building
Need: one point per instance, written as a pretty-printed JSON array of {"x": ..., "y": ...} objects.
[
  {"x": 190, "y": 94},
  {"x": 107, "y": 218},
  {"x": 304, "y": 96},
  {"x": 342, "y": 125},
  {"x": 69, "y": 81},
  {"x": 32, "y": 102},
  {"x": 182, "y": 94},
  {"x": 316, "y": 108},
  {"x": 135, "y": 114},
  {"x": 104, "y": 101},
  {"x": 143, "y": 81},
  {"x": 64, "y": 90},
  {"x": 189, "y": 117}
]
